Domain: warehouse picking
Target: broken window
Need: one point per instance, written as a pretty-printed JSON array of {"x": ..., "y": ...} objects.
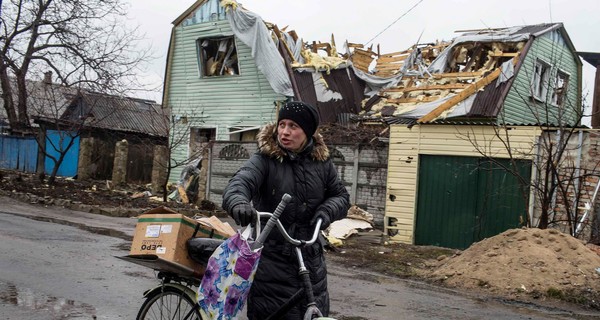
[
  {"x": 560, "y": 88},
  {"x": 540, "y": 83},
  {"x": 218, "y": 57},
  {"x": 548, "y": 86}
]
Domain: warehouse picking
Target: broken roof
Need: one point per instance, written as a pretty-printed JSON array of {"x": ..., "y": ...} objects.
[
  {"x": 424, "y": 83},
  {"x": 429, "y": 84}
]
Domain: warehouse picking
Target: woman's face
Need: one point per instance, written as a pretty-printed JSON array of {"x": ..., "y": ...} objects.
[{"x": 290, "y": 135}]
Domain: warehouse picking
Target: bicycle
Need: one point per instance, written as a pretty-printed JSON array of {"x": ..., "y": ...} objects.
[{"x": 175, "y": 297}]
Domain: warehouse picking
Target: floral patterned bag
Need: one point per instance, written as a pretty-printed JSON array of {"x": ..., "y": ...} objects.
[{"x": 229, "y": 273}]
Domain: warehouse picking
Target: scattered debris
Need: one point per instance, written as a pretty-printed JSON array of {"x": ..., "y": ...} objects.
[
  {"x": 140, "y": 194},
  {"x": 357, "y": 219},
  {"x": 187, "y": 187}
]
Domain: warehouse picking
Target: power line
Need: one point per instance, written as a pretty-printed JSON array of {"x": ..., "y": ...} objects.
[{"x": 391, "y": 24}]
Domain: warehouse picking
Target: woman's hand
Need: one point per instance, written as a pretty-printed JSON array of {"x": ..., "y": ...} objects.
[
  {"x": 323, "y": 215},
  {"x": 243, "y": 213}
]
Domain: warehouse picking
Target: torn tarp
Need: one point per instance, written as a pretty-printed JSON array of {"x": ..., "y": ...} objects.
[
  {"x": 251, "y": 30},
  {"x": 374, "y": 84}
]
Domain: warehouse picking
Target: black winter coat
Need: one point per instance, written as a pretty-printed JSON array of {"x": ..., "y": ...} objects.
[{"x": 311, "y": 179}]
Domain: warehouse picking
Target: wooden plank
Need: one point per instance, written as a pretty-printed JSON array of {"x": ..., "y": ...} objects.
[
  {"x": 453, "y": 86},
  {"x": 392, "y": 54},
  {"x": 413, "y": 100},
  {"x": 464, "y": 94},
  {"x": 461, "y": 96},
  {"x": 504, "y": 54},
  {"x": 392, "y": 59},
  {"x": 475, "y": 74},
  {"x": 362, "y": 59}
]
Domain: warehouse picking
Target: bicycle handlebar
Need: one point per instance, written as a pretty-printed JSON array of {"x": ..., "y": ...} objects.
[
  {"x": 274, "y": 221},
  {"x": 288, "y": 238}
]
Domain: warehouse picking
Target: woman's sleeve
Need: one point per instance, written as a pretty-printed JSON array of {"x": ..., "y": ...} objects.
[
  {"x": 244, "y": 185},
  {"x": 337, "y": 199}
]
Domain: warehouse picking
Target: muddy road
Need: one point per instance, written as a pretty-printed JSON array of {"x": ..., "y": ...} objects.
[{"x": 53, "y": 266}]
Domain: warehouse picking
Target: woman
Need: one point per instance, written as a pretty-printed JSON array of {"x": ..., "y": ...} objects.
[{"x": 292, "y": 158}]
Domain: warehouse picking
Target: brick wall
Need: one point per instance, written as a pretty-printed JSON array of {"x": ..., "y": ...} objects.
[
  {"x": 580, "y": 172},
  {"x": 363, "y": 170}
]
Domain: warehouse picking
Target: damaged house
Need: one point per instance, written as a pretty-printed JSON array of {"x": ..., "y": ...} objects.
[
  {"x": 228, "y": 71},
  {"x": 460, "y": 112}
]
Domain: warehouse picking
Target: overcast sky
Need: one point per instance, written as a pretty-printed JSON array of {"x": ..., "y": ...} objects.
[{"x": 400, "y": 22}]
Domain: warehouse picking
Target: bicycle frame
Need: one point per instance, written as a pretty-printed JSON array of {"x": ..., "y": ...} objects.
[{"x": 303, "y": 272}]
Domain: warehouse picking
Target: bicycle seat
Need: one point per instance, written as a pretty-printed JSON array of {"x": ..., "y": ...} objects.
[{"x": 200, "y": 249}]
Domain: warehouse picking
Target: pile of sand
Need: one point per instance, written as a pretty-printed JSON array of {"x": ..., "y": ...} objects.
[{"x": 524, "y": 261}]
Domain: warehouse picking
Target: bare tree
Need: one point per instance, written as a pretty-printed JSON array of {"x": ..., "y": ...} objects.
[
  {"x": 180, "y": 132},
  {"x": 84, "y": 43}
]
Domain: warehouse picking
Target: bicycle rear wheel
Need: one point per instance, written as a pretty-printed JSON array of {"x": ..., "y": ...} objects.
[{"x": 170, "y": 303}]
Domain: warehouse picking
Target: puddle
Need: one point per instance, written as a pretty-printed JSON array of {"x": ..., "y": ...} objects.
[{"x": 57, "y": 308}]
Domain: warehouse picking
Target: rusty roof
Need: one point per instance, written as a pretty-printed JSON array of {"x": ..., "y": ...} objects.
[{"x": 118, "y": 113}]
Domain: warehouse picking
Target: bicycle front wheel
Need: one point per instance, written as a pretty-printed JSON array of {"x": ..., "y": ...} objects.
[{"x": 170, "y": 303}]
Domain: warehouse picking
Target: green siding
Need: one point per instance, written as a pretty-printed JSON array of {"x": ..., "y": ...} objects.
[
  {"x": 462, "y": 200},
  {"x": 246, "y": 99},
  {"x": 519, "y": 106}
]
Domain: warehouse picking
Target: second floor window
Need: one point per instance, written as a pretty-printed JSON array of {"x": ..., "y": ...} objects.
[
  {"x": 549, "y": 84},
  {"x": 540, "y": 80},
  {"x": 560, "y": 88},
  {"x": 218, "y": 57}
]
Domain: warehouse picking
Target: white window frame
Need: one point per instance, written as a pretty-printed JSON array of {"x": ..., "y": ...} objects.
[
  {"x": 549, "y": 84},
  {"x": 560, "y": 88},
  {"x": 541, "y": 76}
]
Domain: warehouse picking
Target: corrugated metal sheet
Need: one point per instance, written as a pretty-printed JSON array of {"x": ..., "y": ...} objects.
[
  {"x": 118, "y": 113},
  {"x": 487, "y": 100},
  {"x": 462, "y": 200},
  {"x": 342, "y": 81},
  {"x": 406, "y": 144},
  {"x": 536, "y": 29}
]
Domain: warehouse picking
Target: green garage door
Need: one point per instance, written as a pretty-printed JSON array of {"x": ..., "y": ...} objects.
[{"x": 462, "y": 200}]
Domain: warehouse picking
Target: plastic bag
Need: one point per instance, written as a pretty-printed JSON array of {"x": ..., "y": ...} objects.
[{"x": 229, "y": 273}]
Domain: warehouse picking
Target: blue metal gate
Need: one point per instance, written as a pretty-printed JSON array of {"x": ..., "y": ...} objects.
[
  {"x": 57, "y": 142},
  {"x": 18, "y": 153}
]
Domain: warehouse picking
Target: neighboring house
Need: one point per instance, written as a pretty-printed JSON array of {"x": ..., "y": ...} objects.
[
  {"x": 450, "y": 112},
  {"x": 99, "y": 122},
  {"x": 226, "y": 77},
  {"x": 19, "y": 150},
  {"x": 60, "y": 115},
  {"x": 44, "y": 99}
]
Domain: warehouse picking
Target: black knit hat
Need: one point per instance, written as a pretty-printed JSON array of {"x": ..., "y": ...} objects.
[{"x": 301, "y": 113}]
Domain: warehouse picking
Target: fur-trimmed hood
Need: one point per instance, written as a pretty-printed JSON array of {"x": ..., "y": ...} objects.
[{"x": 267, "y": 144}]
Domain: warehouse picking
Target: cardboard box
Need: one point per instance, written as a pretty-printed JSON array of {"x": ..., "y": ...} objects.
[{"x": 164, "y": 232}]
